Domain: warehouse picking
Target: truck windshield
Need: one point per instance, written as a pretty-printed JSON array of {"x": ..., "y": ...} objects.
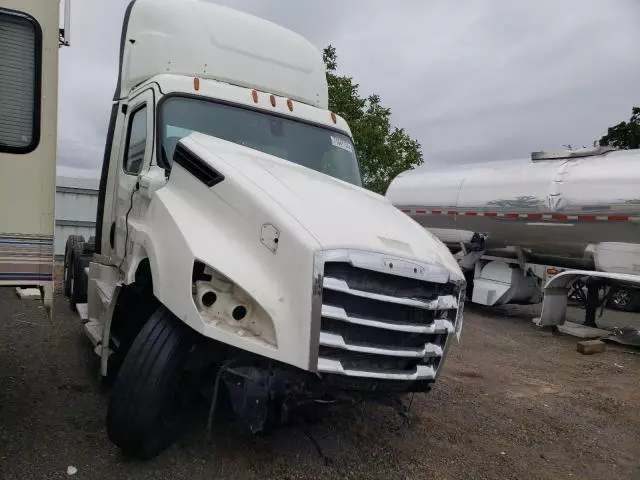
[{"x": 309, "y": 145}]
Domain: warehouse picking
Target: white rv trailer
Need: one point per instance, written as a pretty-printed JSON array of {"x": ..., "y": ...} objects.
[
  {"x": 576, "y": 209},
  {"x": 29, "y": 40}
]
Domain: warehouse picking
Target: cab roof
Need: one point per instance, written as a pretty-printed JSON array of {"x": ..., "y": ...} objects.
[{"x": 202, "y": 39}]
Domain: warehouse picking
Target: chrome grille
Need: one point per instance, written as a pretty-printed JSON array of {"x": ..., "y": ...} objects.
[{"x": 384, "y": 325}]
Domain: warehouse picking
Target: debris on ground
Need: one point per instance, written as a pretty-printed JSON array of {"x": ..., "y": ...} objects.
[
  {"x": 28, "y": 293},
  {"x": 626, "y": 336},
  {"x": 505, "y": 386},
  {"x": 589, "y": 347}
]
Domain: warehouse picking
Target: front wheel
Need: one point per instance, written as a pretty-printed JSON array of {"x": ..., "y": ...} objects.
[{"x": 148, "y": 411}]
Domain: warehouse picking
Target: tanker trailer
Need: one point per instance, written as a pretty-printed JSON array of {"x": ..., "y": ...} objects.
[{"x": 574, "y": 209}]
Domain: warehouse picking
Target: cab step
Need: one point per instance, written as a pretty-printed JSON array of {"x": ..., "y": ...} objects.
[
  {"x": 83, "y": 311},
  {"x": 93, "y": 329},
  {"x": 105, "y": 292}
]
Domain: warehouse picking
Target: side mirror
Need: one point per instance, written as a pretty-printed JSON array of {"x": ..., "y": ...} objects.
[{"x": 152, "y": 180}]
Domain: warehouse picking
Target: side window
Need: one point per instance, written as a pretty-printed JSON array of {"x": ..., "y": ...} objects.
[
  {"x": 20, "y": 57},
  {"x": 136, "y": 141}
]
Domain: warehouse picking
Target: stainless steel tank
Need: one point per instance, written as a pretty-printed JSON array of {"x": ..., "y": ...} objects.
[{"x": 556, "y": 203}]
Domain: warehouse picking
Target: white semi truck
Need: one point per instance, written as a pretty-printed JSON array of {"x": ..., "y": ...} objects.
[
  {"x": 236, "y": 249},
  {"x": 29, "y": 40},
  {"x": 575, "y": 210}
]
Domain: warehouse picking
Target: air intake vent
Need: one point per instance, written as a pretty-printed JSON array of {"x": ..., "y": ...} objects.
[{"x": 196, "y": 166}]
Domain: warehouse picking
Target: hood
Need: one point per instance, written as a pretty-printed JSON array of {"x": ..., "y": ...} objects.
[{"x": 337, "y": 214}]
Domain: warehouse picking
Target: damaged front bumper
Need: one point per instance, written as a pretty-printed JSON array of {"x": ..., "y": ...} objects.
[{"x": 267, "y": 395}]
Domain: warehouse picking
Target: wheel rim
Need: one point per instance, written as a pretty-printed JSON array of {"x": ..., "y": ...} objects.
[{"x": 621, "y": 298}]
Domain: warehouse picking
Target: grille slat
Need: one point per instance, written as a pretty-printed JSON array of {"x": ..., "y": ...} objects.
[
  {"x": 442, "y": 302},
  {"x": 337, "y": 341},
  {"x": 380, "y": 325},
  {"x": 339, "y": 313}
]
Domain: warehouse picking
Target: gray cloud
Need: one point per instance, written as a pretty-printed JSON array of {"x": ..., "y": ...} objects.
[{"x": 472, "y": 80}]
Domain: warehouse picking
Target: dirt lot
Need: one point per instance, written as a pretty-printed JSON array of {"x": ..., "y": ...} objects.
[{"x": 513, "y": 402}]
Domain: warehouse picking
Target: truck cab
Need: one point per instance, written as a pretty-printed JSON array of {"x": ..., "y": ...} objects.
[{"x": 235, "y": 241}]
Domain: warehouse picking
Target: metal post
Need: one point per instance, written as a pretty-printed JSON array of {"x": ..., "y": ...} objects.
[{"x": 592, "y": 304}]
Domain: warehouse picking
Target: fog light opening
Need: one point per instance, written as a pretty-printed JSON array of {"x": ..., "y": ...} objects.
[
  {"x": 239, "y": 313},
  {"x": 208, "y": 299}
]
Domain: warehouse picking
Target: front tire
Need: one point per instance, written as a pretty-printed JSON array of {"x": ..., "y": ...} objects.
[{"x": 146, "y": 412}]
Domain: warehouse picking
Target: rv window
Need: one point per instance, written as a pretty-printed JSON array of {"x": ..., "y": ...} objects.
[
  {"x": 20, "y": 48},
  {"x": 136, "y": 141}
]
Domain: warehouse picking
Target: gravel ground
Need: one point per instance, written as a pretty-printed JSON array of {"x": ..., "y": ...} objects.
[{"x": 513, "y": 402}]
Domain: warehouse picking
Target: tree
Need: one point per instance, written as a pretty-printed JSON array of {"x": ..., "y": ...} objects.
[
  {"x": 384, "y": 151},
  {"x": 624, "y": 135}
]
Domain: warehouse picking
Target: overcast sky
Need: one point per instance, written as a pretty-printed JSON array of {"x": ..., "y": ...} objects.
[{"x": 472, "y": 80}]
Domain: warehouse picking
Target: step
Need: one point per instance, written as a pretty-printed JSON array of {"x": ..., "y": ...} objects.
[
  {"x": 582, "y": 331},
  {"x": 93, "y": 329},
  {"x": 105, "y": 291},
  {"x": 83, "y": 311}
]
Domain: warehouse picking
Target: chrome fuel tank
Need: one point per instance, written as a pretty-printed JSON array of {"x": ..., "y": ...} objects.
[{"x": 550, "y": 204}]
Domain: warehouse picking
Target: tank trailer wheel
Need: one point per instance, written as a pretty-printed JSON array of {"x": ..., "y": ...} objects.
[{"x": 624, "y": 299}]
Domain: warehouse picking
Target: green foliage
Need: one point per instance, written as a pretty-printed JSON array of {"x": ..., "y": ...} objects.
[
  {"x": 384, "y": 151},
  {"x": 624, "y": 135}
]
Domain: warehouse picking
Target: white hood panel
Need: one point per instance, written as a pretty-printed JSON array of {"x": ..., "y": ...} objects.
[{"x": 335, "y": 213}]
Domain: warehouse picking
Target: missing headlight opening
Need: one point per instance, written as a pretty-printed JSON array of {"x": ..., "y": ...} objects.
[
  {"x": 239, "y": 312},
  {"x": 222, "y": 304},
  {"x": 209, "y": 298}
]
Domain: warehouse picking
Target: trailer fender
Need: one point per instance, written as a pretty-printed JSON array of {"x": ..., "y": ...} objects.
[{"x": 554, "y": 304}]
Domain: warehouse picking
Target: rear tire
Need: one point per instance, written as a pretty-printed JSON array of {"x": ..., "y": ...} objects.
[
  {"x": 68, "y": 259},
  {"x": 78, "y": 290},
  {"x": 146, "y": 412}
]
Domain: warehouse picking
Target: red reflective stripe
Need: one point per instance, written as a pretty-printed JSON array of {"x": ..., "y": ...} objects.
[{"x": 552, "y": 216}]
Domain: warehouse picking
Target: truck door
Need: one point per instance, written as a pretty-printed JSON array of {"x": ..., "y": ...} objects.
[{"x": 134, "y": 158}]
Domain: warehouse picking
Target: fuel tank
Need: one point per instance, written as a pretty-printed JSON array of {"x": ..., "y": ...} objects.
[{"x": 556, "y": 203}]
